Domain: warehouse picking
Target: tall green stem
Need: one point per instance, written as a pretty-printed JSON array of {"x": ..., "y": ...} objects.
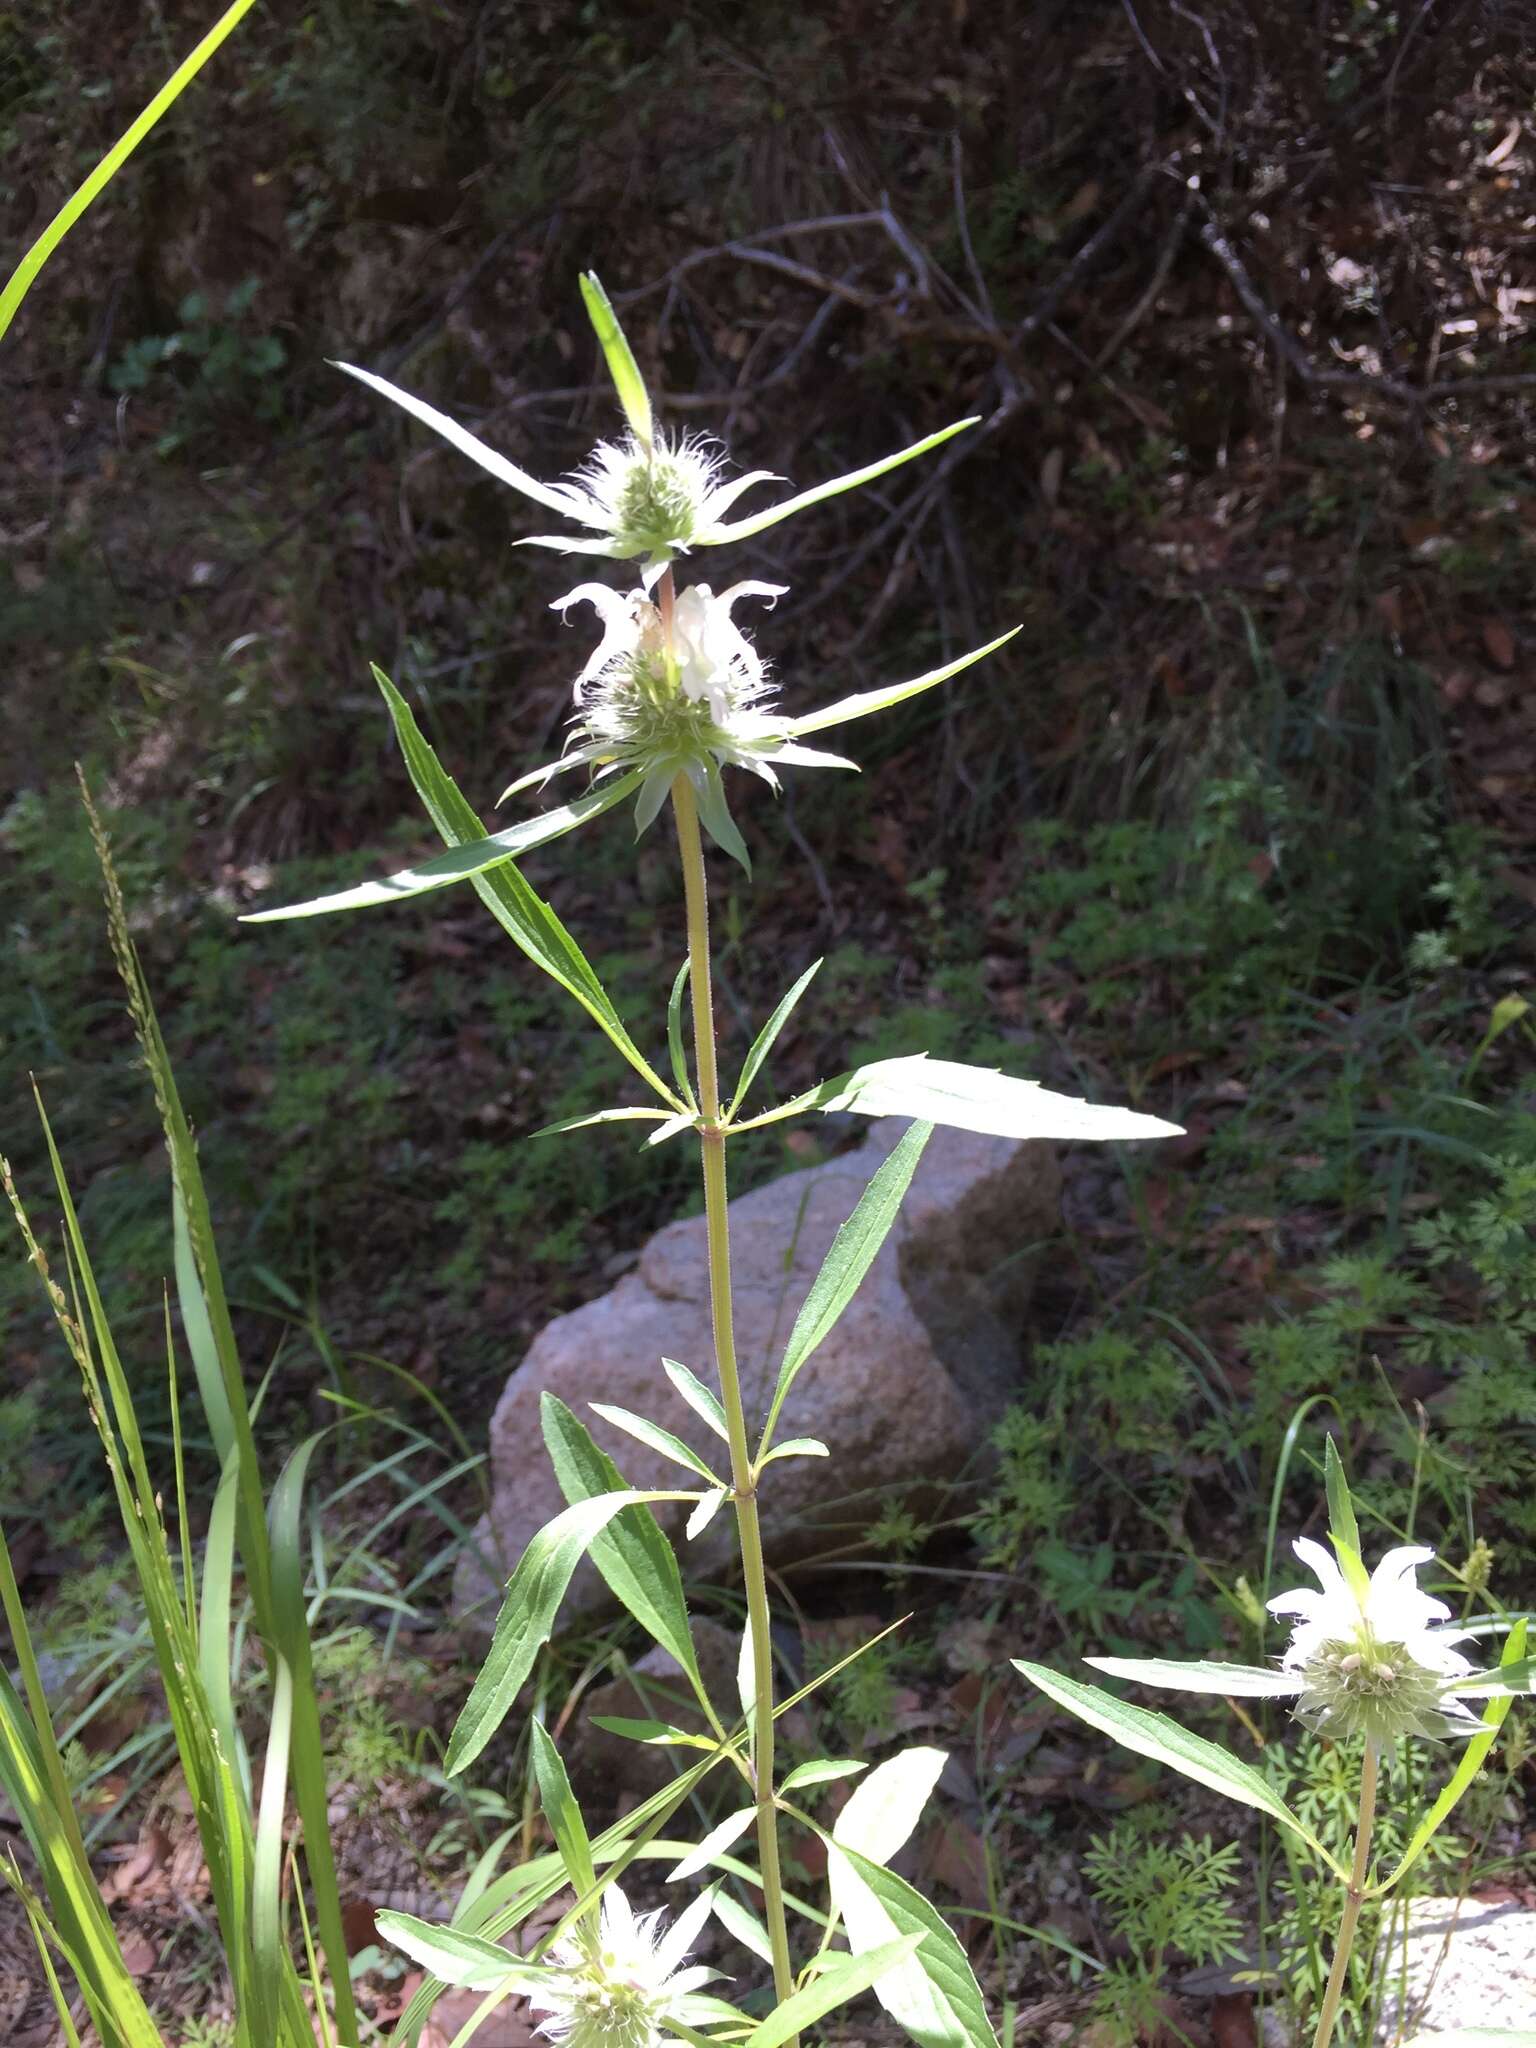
[
  {"x": 743, "y": 1474},
  {"x": 1354, "y": 1900}
]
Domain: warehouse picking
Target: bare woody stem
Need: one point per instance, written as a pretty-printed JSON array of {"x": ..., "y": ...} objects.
[
  {"x": 743, "y": 1474},
  {"x": 1354, "y": 1900}
]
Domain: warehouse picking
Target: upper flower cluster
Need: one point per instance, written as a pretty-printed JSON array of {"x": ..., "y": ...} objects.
[{"x": 1374, "y": 1662}]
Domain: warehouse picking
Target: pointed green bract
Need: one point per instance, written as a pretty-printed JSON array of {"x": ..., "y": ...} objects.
[
  {"x": 1166, "y": 1742},
  {"x": 850, "y": 1258},
  {"x": 1343, "y": 1529},
  {"x": 866, "y": 702},
  {"x": 759, "y": 522},
  {"x": 618, "y": 355}
]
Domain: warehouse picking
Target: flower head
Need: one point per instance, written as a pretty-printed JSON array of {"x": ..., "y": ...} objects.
[
  {"x": 1371, "y": 1660},
  {"x": 688, "y": 703},
  {"x": 622, "y": 1989},
  {"x": 650, "y": 496}
]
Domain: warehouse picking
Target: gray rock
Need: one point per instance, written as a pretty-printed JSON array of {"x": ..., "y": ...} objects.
[
  {"x": 903, "y": 1391},
  {"x": 1466, "y": 1965}
]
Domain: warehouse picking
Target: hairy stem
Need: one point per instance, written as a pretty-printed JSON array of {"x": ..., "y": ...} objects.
[
  {"x": 1354, "y": 1900},
  {"x": 743, "y": 1475}
]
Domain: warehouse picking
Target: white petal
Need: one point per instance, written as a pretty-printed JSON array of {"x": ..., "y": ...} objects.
[
  {"x": 748, "y": 588},
  {"x": 620, "y": 630},
  {"x": 553, "y": 496},
  {"x": 1322, "y": 1562}
]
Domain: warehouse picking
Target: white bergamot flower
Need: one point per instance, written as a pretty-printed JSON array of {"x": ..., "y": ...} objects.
[
  {"x": 1374, "y": 1662},
  {"x": 689, "y": 706},
  {"x": 652, "y": 496},
  {"x": 625, "y": 1987}
]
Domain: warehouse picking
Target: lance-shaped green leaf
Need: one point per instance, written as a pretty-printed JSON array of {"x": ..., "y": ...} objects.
[
  {"x": 456, "y": 1957},
  {"x": 561, "y": 1810},
  {"x": 553, "y": 497},
  {"x": 797, "y": 1447},
  {"x": 637, "y": 1562},
  {"x": 821, "y": 1771},
  {"x": 520, "y": 911},
  {"x": 1343, "y": 1529},
  {"x": 1229, "y": 1681},
  {"x": 714, "y": 1844},
  {"x": 1166, "y": 1742},
  {"x": 759, "y": 522},
  {"x": 851, "y": 1255},
  {"x": 934, "y": 1995},
  {"x": 527, "y": 1617},
  {"x": 460, "y": 863},
  {"x": 699, "y": 1398},
  {"x": 865, "y": 702},
  {"x": 843, "y": 1978},
  {"x": 1470, "y": 1762},
  {"x": 659, "y": 1439},
  {"x": 886, "y": 1806},
  {"x": 765, "y": 1040},
  {"x": 969, "y": 1099},
  {"x": 618, "y": 355},
  {"x": 706, "y": 1512}
]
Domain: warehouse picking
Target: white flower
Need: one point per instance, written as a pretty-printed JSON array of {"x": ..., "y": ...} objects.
[
  {"x": 622, "y": 1989},
  {"x": 653, "y": 496},
  {"x": 1374, "y": 1661},
  {"x": 688, "y": 707}
]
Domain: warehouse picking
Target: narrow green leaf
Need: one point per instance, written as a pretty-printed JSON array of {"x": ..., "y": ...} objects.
[
  {"x": 600, "y": 1116},
  {"x": 673, "y": 1127},
  {"x": 523, "y": 914},
  {"x": 703, "y": 1403},
  {"x": 527, "y": 1618},
  {"x": 456, "y": 1957},
  {"x": 675, "y": 1036},
  {"x": 797, "y": 1447},
  {"x": 659, "y": 1439},
  {"x": 25, "y": 273},
  {"x": 1470, "y": 1762},
  {"x": 460, "y": 863},
  {"x": 885, "y": 1807},
  {"x": 759, "y": 522},
  {"x": 821, "y": 1773},
  {"x": 842, "y": 1980},
  {"x": 849, "y": 1259},
  {"x": 1229, "y": 1681},
  {"x": 934, "y": 1995},
  {"x": 1166, "y": 1742},
  {"x": 737, "y": 1920},
  {"x": 653, "y": 1733},
  {"x": 561, "y": 1810},
  {"x": 767, "y": 1038},
  {"x": 719, "y": 1838},
  {"x": 864, "y": 703},
  {"x": 970, "y": 1099},
  {"x": 617, "y": 353},
  {"x": 637, "y": 1562},
  {"x": 705, "y": 1513}
]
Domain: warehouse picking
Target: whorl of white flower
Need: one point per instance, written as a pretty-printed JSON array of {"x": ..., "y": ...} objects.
[
  {"x": 651, "y": 495},
  {"x": 625, "y": 1988},
  {"x": 1374, "y": 1663},
  {"x": 690, "y": 706}
]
